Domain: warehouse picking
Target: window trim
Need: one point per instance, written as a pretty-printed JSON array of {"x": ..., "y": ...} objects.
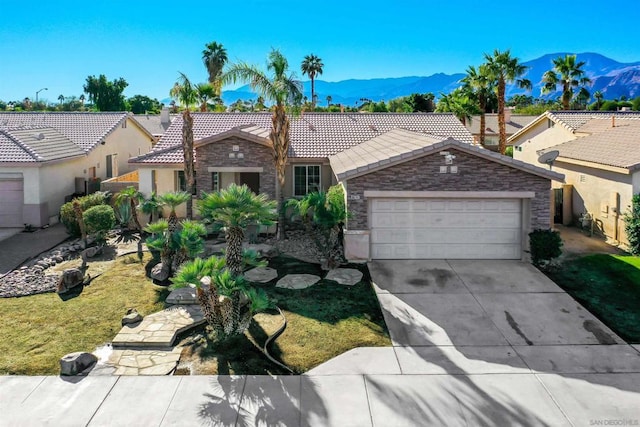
[{"x": 307, "y": 166}]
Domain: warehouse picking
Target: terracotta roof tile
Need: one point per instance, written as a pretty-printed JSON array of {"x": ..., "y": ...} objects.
[{"x": 35, "y": 144}]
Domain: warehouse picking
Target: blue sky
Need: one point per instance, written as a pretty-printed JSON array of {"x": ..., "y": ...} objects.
[{"x": 57, "y": 44}]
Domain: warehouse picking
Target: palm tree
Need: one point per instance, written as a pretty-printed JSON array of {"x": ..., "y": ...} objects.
[
  {"x": 186, "y": 93},
  {"x": 206, "y": 92},
  {"x": 173, "y": 199},
  {"x": 458, "y": 103},
  {"x": 175, "y": 246},
  {"x": 214, "y": 57},
  {"x": 151, "y": 206},
  {"x": 311, "y": 66},
  {"x": 329, "y": 99},
  {"x": 132, "y": 197},
  {"x": 503, "y": 69},
  {"x": 481, "y": 86},
  {"x": 568, "y": 74},
  {"x": 82, "y": 98},
  {"x": 61, "y": 98},
  {"x": 284, "y": 90},
  {"x": 598, "y": 96},
  {"x": 236, "y": 207}
]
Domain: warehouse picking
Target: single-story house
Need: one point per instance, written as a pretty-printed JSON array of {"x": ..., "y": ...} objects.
[
  {"x": 415, "y": 185},
  {"x": 45, "y": 157},
  {"x": 599, "y": 154},
  {"x": 155, "y": 124},
  {"x": 513, "y": 123}
]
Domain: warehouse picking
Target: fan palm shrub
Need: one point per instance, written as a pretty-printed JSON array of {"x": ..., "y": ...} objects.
[
  {"x": 173, "y": 199},
  {"x": 175, "y": 246}
]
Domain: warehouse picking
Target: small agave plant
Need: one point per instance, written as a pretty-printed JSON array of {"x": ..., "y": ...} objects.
[{"x": 227, "y": 300}]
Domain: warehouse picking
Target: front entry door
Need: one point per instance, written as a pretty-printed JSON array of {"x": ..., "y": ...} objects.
[{"x": 251, "y": 180}]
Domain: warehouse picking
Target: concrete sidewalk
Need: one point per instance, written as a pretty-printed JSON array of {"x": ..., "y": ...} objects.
[
  {"x": 20, "y": 247},
  {"x": 474, "y": 343}
]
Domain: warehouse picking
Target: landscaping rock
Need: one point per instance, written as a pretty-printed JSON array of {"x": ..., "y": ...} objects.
[
  {"x": 70, "y": 278},
  {"x": 297, "y": 281},
  {"x": 345, "y": 276},
  {"x": 158, "y": 274},
  {"x": 261, "y": 274},
  {"x": 91, "y": 252},
  {"x": 182, "y": 296},
  {"x": 132, "y": 317},
  {"x": 75, "y": 363}
]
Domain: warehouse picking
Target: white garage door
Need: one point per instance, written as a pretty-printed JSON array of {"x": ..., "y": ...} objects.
[
  {"x": 446, "y": 228},
  {"x": 11, "y": 200}
]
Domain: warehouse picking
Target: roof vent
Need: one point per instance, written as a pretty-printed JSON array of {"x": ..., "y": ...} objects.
[
  {"x": 312, "y": 127},
  {"x": 373, "y": 128},
  {"x": 39, "y": 136}
]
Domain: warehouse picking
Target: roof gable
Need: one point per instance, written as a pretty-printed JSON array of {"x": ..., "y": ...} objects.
[
  {"x": 252, "y": 133},
  {"x": 398, "y": 146},
  {"x": 36, "y": 144}
]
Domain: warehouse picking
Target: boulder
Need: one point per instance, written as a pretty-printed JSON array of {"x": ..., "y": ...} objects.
[
  {"x": 261, "y": 274},
  {"x": 182, "y": 296},
  {"x": 91, "y": 252},
  {"x": 75, "y": 363},
  {"x": 131, "y": 317},
  {"x": 158, "y": 274},
  {"x": 70, "y": 278}
]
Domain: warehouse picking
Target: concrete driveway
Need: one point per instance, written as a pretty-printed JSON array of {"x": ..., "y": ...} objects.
[{"x": 512, "y": 346}]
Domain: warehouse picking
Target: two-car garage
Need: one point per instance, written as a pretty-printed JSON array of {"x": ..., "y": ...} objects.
[
  {"x": 435, "y": 228},
  {"x": 417, "y": 196}
]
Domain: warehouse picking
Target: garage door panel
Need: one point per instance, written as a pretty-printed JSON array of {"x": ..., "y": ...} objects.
[
  {"x": 446, "y": 228},
  {"x": 11, "y": 202}
]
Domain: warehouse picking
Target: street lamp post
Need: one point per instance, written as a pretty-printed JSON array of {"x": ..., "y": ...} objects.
[{"x": 37, "y": 92}]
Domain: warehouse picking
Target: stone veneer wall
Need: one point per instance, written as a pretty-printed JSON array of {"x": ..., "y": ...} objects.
[
  {"x": 217, "y": 154},
  {"x": 474, "y": 174}
]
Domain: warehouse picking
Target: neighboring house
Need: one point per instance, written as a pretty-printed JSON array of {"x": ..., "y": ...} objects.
[
  {"x": 45, "y": 157},
  {"x": 513, "y": 123},
  {"x": 416, "y": 187},
  {"x": 599, "y": 153},
  {"x": 155, "y": 124}
]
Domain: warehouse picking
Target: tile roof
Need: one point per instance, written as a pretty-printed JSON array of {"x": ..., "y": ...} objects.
[
  {"x": 35, "y": 144},
  {"x": 399, "y": 145},
  {"x": 575, "y": 119},
  {"x": 152, "y": 123},
  {"x": 85, "y": 129},
  {"x": 516, "y": 123},
  {"x": 313, "y": 135},
  {"x": 618, "y": 146}
]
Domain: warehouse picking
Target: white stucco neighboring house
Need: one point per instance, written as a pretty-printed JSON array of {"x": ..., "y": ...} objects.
[
  {"x": 45, "y": 157},
  {"x": 599, "y": 154}
]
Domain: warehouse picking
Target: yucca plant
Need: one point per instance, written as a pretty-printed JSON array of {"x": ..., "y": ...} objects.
[
  {"x": 227, "y": 301},
  {"x": 236, "y": 207},
  {"x": 130, "y": 196}
]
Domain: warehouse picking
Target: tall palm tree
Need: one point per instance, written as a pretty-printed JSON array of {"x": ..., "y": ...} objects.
[
  {"x": 568, "y": 74},
  {"x": 81, "y": 98},
  {"x": 284, "y": 90},
  {"x": 132, "y": 197},
  {"x": 478, "y": 83},
  {"x": 504, "y": 69},
  {"x": 206, "y": 92},
  {"x": 61, "y": 98},
  {"x": 173, "y": 199},
  {"x": 214, "y": 57},
  {"x": 185, "y": 92},
  {"x": 312, "y": 66},
  {"x": 329, "y": 99}
]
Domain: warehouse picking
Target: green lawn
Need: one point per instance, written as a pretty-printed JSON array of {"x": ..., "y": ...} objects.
[
  {"x": 38, "y": 330},
  {"x": 609, "y": 287},
  {"x": 323, "y": 322}
]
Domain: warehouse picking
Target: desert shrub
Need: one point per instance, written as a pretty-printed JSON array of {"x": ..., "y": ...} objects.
[
  {"x": 99, "y": 218},
  {"x": 68, "y": 216},
  {"x": 545, "y": 245},
  {"x": 509, "y": 151},
  {"x": 632, "y": 225}
]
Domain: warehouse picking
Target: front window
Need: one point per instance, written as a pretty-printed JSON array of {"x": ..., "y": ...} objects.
[
  {"x": 306, "y": 179},
  {"x": 181, "y": 182}
]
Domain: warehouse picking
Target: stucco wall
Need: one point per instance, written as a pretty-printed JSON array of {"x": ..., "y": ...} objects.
[
  {"x": 217, "y": 155},
  {"x": 527, "y": 149},
  {"x": 593, "y": 192},
  {"x": 474, "y": 174}
]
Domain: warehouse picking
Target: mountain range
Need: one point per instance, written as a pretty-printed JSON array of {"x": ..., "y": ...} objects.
[{"x": 612, "y": 78}]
